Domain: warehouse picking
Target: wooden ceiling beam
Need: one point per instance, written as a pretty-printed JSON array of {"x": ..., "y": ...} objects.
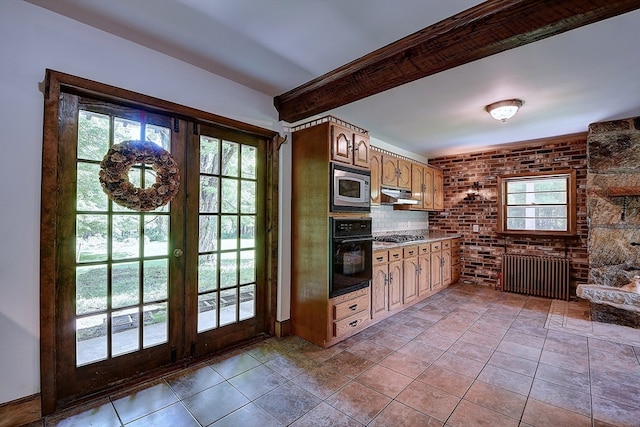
[{"x": 489, "y": 28}]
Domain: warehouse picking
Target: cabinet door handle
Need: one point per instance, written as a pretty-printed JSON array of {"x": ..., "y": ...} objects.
[
  {"x": 390, "y": 278},
  {"x": 353, "y": 324},
  {"x": 353, "y": 307},
  {"x": 380, "y": 258},
  {"x": 386, "y": 280}
]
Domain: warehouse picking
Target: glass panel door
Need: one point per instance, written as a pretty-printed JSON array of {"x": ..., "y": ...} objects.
[
  {"x": 121, "y": 287},
  {"x": 138, "y": 290},
  {"x": 122, "y": 266},
  {"x": 230, "y": 253}
]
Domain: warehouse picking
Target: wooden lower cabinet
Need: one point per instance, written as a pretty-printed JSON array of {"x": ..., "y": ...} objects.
[
  {"x": 410, "y": 271},
  {"x": 424, "y": 266},
  {"x": 456, "y": 265},
  {"x": 436, "y": 266},
  {"x": 379, "y": 284},
  {"x": 350, "y": 313},
  {"x": 446, "y": 263},
  {"x": 396, "y": 278},
  {"x": 405, "y": 275}
]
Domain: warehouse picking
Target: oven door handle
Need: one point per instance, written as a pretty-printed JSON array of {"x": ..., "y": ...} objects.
[{"x": 355, "y": 240}]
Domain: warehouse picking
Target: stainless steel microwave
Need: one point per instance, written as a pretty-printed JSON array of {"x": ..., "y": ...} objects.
[{"x": 350, "y": 189}]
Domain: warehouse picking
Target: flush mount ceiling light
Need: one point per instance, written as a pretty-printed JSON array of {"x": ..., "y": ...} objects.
[{"x": 504, "y": 110}]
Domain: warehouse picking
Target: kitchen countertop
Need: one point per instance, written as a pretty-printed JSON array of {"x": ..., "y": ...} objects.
[{"x": 431, "y": 237}]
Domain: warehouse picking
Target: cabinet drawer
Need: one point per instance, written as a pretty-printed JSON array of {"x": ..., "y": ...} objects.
[
  {"x": 395, "y": 254},
  {"x": 446, "y": 244},
  {"x": 455, "y": 260},
  {"x": 455, "y": 251},
  {"x": 409, "y": 251},
  {"x": 455, "y": 243},
  {"x": 424, "y": 249},
  {"x": 436, "y": 246},
  {"x": 380, "y": 257},
  {"x": 348, "y": 308},
  {"x": 350, "y": 325}
]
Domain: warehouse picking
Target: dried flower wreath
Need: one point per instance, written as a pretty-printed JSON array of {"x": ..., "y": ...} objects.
[{"x": 114, "y": 175}]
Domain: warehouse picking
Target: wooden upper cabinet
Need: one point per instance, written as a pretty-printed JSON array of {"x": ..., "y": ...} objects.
[
  {"x": 375, "y": 166},
  {"x": 361, "y": 150},
  {"x": 427, "y": 188},
  {"x": 404, "y": 176},
  {"x": 438, "y": 190},
  {"x": 341, "y": 144},
  {"x": 396, "y": 172},
  {"x": 417, "y": 185},
  {"x": 349, "y": 147}
]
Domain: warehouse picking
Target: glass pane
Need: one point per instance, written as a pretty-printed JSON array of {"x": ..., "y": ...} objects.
[
  {"x": 208, "y": 194},
  {"x": 516, "y": 224},
  {"x": 230, "y": 158},
  {"x": 228, "y": 269},
  {"x": 124, "y": 331},
  {"x": 125, "y": 280},
  {"x": 551, "y": 224},
  {"x": 247, "y": 232},
  {"x": 247, "y": 267},
  {"x": 516, "y": 212},
  {"x": 551, "y": 211},
  {"x": 93, "y": 135},
  {"x": 551, "y": 184},
  {"x": 91, "y": 238},
  {"x": 516, "y": 187},
  {"x": 249, "y": 161},
  {"x": 229, "y": 232},
  {"x": 156, "y": 280},
  {"x": 229, "y": 195},
  {"x": 156, "y": 235},
  {"x": 209, "y": 148},
  {"x": 91, "y": 289},
  {"x": 156, "y": 324},
  {"x": 549, "y": 198},
  {"x": 248, "y": 200},
  {"x": 126, "y": 236},
  {"x": 207, "y": 311},
  {"x": 228, "y": 304},
  {"x": 91, "y": 339},
  {"x": 247, "y": 302},
  {"x": 207, "y": 272},
  {"x": 517, "y": 199},
  {"x": 160, "y": 135},
  {"x": 125, "y": 130},
  {"x": 150, "y": 177},
  {"x": 208, "y": 234},
  {"x": 90, "y": 195}
]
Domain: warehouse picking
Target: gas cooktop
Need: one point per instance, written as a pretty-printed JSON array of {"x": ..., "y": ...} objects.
[{"x": 398, "y": 238}]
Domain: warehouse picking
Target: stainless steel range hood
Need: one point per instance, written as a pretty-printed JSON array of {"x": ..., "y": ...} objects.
[{"x": 393, "y": 196}]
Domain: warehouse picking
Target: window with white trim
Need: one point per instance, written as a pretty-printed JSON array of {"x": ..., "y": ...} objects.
[{"x": 541, "y": 203}]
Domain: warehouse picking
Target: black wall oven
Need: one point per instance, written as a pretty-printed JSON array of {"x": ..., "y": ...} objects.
[{"x": 351, "y": 255}]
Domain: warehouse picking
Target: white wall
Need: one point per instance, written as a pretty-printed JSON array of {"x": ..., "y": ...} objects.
[{"x": 31, "y": 40}]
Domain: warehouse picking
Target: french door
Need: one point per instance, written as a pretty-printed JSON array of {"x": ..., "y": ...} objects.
[{"x": 135, "y": 291}]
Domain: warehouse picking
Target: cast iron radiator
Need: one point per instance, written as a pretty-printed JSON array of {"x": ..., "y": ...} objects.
[{"x": 540, "y": 276}]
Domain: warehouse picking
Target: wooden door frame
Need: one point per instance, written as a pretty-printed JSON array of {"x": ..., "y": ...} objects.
[{"x": 57, "y": 82}]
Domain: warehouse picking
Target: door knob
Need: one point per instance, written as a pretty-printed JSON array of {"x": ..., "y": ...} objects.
[{"x": 177, "y": 253}]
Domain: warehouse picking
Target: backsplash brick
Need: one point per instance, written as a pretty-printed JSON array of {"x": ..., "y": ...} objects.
[{"x": 482, "y": 251}]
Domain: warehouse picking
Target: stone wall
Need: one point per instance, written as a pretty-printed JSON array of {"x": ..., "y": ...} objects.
[
  {"x": 482, "y": 251},
  {"x": 614, "y": 168}
]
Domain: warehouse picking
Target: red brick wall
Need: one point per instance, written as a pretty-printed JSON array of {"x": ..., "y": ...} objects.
[{"x": 482, "y": 251}]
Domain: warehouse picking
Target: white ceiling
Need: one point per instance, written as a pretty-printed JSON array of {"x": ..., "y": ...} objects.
[{"x": 568, "y": 81}]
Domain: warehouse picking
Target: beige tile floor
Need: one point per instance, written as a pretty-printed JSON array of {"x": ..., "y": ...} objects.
[{"x": 467, "y": 356}]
